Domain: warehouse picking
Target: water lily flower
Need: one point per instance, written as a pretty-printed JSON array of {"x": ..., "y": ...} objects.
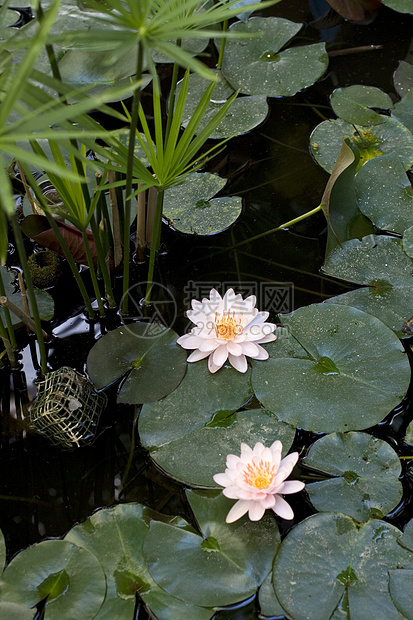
[
  {"x": 229, "y": 328},
  {"x": 257, "y": 480}
]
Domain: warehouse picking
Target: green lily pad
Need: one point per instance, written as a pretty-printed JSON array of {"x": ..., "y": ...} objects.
[
  {"x": 9, "y": 18},
  {"x": 71, "y": 577},
  {"x": 403, "y": 111},
  {"x": 401, "y": 582},
  {"x": 353, "y": 104},
  {"x": 256, "y": 66},
  {"x": 402, "y": 6},
  {"x": 366, "y": 474},
  {"x": 45, "y": 301},
  {"x": 408, "y": 242},
  {"x": 403, "y": 78},
  {"x": 269, "y": 604},
  {"x": 379, "y": 263},
  {"x": 245, "y": 113},
  {"x": 191, "y": 208},
  {"x": 225, "y": 565},
  {"x": 2, "y": 552},
  {"x": 384, "y": 193},
  {"x": 374, "y": 141},
  {"x": 11, "y": 611},
  {"x": 146, "y": 354},
  {"x": 327, "y": 352},
  {"x": 220, "y": 436},
  {"x": 328, "y": 562},
  {"x": 115, "y": 536}
]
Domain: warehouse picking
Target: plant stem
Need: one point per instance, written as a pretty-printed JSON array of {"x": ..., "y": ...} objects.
[
  {"x": 222, "y": 48},
  {"x": 155, "y": 243},
  {"x": 129, "y": 178},
  {"x": 93, "y": 274},
  {"x": 7, "y": 345},
  {"x": 30, "y": 290},
  {"x": 102, "y": 262},
  {"x": 9, "y": 323},
  {"x": 172, "y": 92}
]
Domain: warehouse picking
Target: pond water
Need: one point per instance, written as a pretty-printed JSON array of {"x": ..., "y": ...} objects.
[{"x": 45, "y": 490}]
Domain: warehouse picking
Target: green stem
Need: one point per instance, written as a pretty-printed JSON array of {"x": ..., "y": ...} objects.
[
  {"x": 6, "y": 343},
  {"x": 9, "y": 323},
  {"x": 222, "y": 48},
  {"x": 155, "y": 243},
  {"x": 30, "y": 290},
  {"x": 93, "y": 274},
  {"x": 172, "y": 93},
  {"x": 129, "y": 178},
  {"x": 102, "y": 262}
]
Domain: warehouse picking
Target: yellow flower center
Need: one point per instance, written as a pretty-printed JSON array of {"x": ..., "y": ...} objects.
[
  {"x": 227, "y": 326},
  {"x": 260, "y": 475}
]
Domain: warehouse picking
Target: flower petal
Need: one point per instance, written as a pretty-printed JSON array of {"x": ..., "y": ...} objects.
[
  {"x": 250, "y": 349},
  {"x": 283, "y": 508},
  {"x": 197, "y": 355},
  {"x": 268, "y": 501},
  {"x": 239, "y": 362},
  {"x": 222, "y": 480},
  {"x": 256, "y": 511},
  {"x": 237, "y": 511},
  {"x": 292, "y": 486},
  {"x": 189, "y": 341},
  {"x": 220, "y": 355},
  {"x": 234, "y": 348}
]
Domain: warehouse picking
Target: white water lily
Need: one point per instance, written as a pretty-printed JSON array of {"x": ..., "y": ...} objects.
[
  {"x": 257, "y": 480},
  {"x": 229, "y": 328}
]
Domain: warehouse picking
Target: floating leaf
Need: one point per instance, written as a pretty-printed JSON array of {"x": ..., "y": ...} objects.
[
  {"x": 146, "y": 354},
  {"x": 384, "y": 193},
  {"x": 390, "y": 135},
  {"x": 244, "y": 114},
  {"x": 403, "y": 78},
  {"x": 402, "y": 6},
  {"x": 191, "y": 208},
  {"x": 401, "y": 581},
  {"x": 380, "y": 263},
  {"x": 44, "y": 301},
  {"x": 353, "y": 104},
  {"x": 327, "y": 560},
  {"x": 71, "y": 578},
  {"x": 366, "y": 474},
  {"x": 224, "y": 566},
  {"x": 403, "y": 110},
  {"x": 115, "y": 536},
  {"x": 256, "y": 66},
  {"x": 408, "y": 241},
  {"x": 2, "y": 552},
  {"x": 11, "y": 611},
  {"x": 269, "y": 604},
  {"x": 327, "y": 352}
]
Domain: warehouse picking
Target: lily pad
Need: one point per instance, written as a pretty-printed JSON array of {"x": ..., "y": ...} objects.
[
  {"x": 353, "y": 104},
  {"x": 403, "y": 78},
  {"x": 45, "y": 301},
  {"x": 374, "y": 141},
  {"x": 146, "y": 354},
  {"x": 379, "y": 263},
  {"x": 408, "y": 242},
  {"x": 401, "y": 582},
  {"x": 402, "y": 6},
  {"x": 403, "y": 110},
  {"x": 327, "y": 352},
  {"x": 223, "y": 566},
  {"x": 70, "y": 577},
  {"x": 256, "y": 66},
  {"x": 115, "y": 536},
  {"x": 384, "y": 193},
  {"x": 220, "y": 436},
  {"x": 269, "y": 604},
  {"x": 244, "y": 114},
  {"x": 365, "y": 472},
  {"x": 11, "y": 611},
  {"x": 328, "y": 560},
  {"x": 191, "y": 207},
  {"x": 2, "y": 552}
]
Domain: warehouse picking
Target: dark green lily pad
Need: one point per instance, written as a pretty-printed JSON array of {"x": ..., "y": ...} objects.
[
  {"x": 71, "y": 577},
  {"x": 115, "y": 536},
  {"x": 146, "y": 354},
  {"x": 401, "y": 582},
  {"x": 192, "y": 209},
  {"x": 327, "y": 560},
  {"x": 256, "y": 66},
  {"x": 353, "y": 104},
  {"x": 402, "y": 6},
  {"x": 365, "y": 470},
  {"x": 244, "y": 114},
  {"x": 327, "y": 352},
  {"x": 403, "y": 110},
  {"x": 269, "y": 604},
  {"x": 403, "y": 78},
  {"x": 221, "y": 436},
  {"x": 390, "y": 135},
  {"x": 11, "y": 611},
  {"x": 379, "y": 263},
  {"x": 384, "y": 193},
  {"x": 408, "y": 241},
  {"x": 225, "y": 565},
  {"x": 45, "y": 301}
]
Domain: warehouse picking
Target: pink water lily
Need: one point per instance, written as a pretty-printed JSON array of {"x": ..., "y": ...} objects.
[
  {"x": 257, "y": 480},
  {"x": 227, "y": 328}
]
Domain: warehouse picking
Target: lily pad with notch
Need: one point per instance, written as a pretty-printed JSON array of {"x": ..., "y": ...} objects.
[
  {"x": 145, "y": 355},
  {"x": 223, "y": 566},
  {"x": 364, "y": 472},
  {"x": 327, "y": 352},
  {"x": 70, "y": 577},
  {"x": 379, "y": 263},
  {"x": 374, "y": 141},
  {"x": 191, "y": 208},
  {"x": 257, "y": 66},
  {"x": 354, "y": 104},
  {"x": 403, "y": 78},
  {"x": 328, "y": 562},
  {"x": 115, "y": 536}
]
